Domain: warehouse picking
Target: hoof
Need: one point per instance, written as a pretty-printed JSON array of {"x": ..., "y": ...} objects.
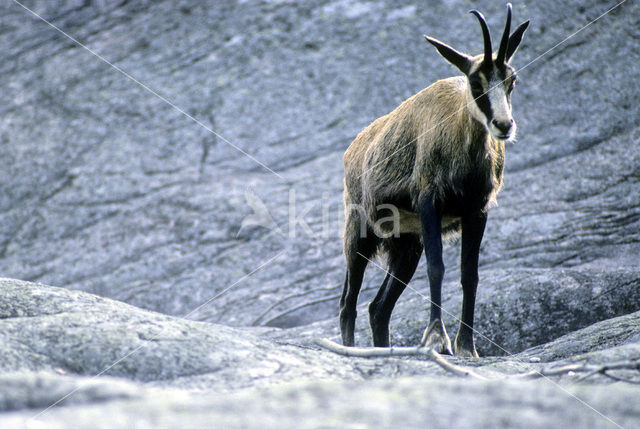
[
  {"x": 465, "y": 352},
  {"x": 464, "y": 346},
  {"x": 436, "y": 338}
]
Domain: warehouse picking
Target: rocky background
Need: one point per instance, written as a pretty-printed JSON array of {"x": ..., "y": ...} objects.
[{"x": 198, "y": 267}]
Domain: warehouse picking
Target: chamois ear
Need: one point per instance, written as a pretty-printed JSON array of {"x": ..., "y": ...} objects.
[
  {"x": 458, "y": 59},
  {"x": 514, "y": 40}
]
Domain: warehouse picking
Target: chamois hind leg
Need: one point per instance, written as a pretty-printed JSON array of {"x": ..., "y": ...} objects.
[
  {"x": 358, "y": 250},
  {"x": 403, "y": 260},
  {"x": 431, "y": 219},
  {"x": 472, "y": 232}
]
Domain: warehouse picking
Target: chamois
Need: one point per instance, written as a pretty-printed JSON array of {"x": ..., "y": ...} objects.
[{"x": 435, "y": 164}]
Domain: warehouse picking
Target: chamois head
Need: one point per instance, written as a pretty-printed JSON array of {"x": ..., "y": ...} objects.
[{"x": 490, "y": 77}]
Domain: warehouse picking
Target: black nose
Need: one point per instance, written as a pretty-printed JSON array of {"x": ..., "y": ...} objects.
[{"x": 503, "y": 126}]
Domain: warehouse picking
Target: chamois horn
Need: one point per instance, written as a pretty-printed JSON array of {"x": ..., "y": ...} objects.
[
  {"x": 504, "y": 43},
  {"x": 487, "y": 38}
]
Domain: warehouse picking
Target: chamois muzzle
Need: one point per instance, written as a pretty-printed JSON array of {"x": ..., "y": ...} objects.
[{"x": 503, "y": 126}]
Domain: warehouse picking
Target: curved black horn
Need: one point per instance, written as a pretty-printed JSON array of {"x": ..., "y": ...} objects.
[
  {"x": 487, "y": 37},
  {"x": 504, "y": 43}
]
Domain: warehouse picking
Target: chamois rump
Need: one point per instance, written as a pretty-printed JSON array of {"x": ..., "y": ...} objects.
[{"x": 438, "y": 160}]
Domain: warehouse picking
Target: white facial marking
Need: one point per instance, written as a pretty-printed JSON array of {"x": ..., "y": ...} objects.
[
  {"x": 501, "y": 110},
  {"x": 499, "y": 104},
  {"x": 498, "y": 100}
]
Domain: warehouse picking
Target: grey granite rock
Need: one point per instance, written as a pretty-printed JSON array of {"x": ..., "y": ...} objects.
[
  {"x": 109, "y": 189},
  {"x": 69, "y": 357},
  {"x": 516, "y": 308},
  {"x": 122, "y": 191},
  {"x": 404, "y": 402},
  {"x": 72, "y": 332}
]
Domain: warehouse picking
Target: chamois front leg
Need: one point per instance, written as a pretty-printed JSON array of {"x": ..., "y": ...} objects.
[
  {"x": 436, "y": 335},
  {"x": 472, "y": 232}
]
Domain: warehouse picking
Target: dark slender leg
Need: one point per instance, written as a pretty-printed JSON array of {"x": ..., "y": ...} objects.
[
  {"x": 472, "y": 232},
  {"x": 402, "y": 266},
  {"x": 357, "y": 254},
  {"x": 436, "y": 335}
]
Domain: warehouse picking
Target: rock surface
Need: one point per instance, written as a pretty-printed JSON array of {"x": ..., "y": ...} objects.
[
  {"x": 113, "y": 184},
  {"x": 404, "y": 402},
  {"x": 109, "y": 189},
  {"x": 68, "y": 356},
  {"x": 523, "y": 308}
]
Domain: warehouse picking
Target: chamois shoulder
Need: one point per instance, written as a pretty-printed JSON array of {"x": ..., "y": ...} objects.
[
  {"x": 410, "y": 114},
  {"x": 440, "y": 101},
  {"x": 442, "y": 95},
  {"x": 446, "y": 91}
]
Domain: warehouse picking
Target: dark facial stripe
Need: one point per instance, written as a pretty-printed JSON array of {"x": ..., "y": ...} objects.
[
  {"x": 479, "y": 93},
  {"x": 479, "y": 90}
]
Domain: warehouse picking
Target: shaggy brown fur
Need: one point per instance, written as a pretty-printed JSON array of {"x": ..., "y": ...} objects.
[
  {"x": 430, "y": 168},
  {"x": 423, "y": 147}
]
